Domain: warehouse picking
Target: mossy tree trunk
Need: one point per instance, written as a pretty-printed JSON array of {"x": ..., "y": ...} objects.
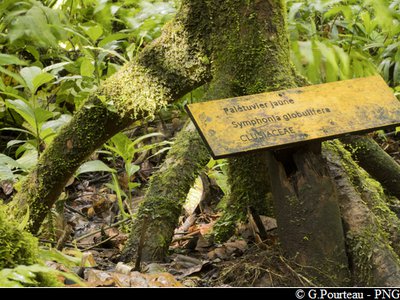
[
  {"x": 167, "y": 69},
  {"x": 245, "y": 43},
  {"x": 375, "y": 161},
  {"x": 372, "y": 230},
  {"x": 250, "y": 57},
  {"x": 159, "y": 212},
  {"x": 246, "y": 50}
]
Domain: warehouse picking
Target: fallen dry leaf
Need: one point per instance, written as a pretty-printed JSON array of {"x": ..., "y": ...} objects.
[
  {"x": 96, "y": 278},
  {"x": 184, "y": 266},
  {"x": 99, "y": 278},
  {"x": 228, "y": 250},
  {"x": 206, "y": 228},
  {"x": 7, "y": 187},
  {"x": 269, "y": 223},
  {"x": 123, "y": 268}
]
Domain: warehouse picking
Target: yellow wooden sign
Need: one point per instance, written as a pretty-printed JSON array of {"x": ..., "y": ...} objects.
[{"x": 284, "y": 118}]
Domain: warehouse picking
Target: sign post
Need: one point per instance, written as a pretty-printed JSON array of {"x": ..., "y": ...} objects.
[{"x": 296, "y": 116}]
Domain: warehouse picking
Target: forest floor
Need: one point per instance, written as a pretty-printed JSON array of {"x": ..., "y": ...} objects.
[{"x": 87, "y": 223}]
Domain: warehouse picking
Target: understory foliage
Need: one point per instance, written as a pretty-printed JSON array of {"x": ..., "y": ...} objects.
[
  {"x": 55, "y": 53},
  {"x": 334, "y": 40}
]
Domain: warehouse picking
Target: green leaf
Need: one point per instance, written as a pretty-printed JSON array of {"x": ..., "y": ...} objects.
[
  {"x": 94, "y": 31},
  {"x": 133, "y": 185},
  {"x": 121, "y": 145},
  {"x": 14, "y": 142},
  {"x": 27, "y": 275},
  {"x": 94, "y": 166},
  {"x": 41, "y": 79},
  {"x": 146, "y": 136},
  {"x": 131, "y": 169},
  {"x": 344, "y": 62},
  {"x": 7, "y": 59},
  {"x": 107, "y": 51},
  {"x": 6, "y": 160},
  {"x": 42, "y": 115},
  {"x": 28, "y": 74},
  {"x": 28, "y": 160},
  {"x": 32, "y": 50},
  {"x": 2, "y": 85},
  {"x": 56, "y": 67},
  {"x": 396, "y": 73},
  {"x": 87, "y": 68},
  {"x": 5, "y": 173},
  {"x": 55, "y": 125},
  {"x": 345, "y": 10},
  {"x": 22, "y": 275},
  {"x": 25, "y": 220},
  {"x": 384, "y": 68},
  {"x": 26, "y": 112},
  {"x": 294, "y": 8},
  {"x": 18, "y": 130},
  {"x": 55, "y": 255},
  {"x": 47, "y": 135},
  {"x": 332, "y": 68},
  {"x": 113, "y": 37}
]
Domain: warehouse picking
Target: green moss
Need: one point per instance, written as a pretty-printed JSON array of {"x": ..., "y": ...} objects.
[
  {"x": 226, "y": 225},
  {"x": 172, "y": 65},
  {"x": 363, "y": 249},
  {"x": 375, "y": 161},
  {"x": 48, "y": 280},
  {"x": 16, "y": 246},
  {"x": 251, "y": 52},
  {"x": 19, "y": 248},
  {"x": 135, "y": 91}
]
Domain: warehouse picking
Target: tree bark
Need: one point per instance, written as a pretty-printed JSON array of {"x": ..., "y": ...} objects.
[
  {"x": 268, "y": 68},
  {"x": 372, "y": 158},
  {"x": 308, "y": 216},
  {"x": 171, "y": 66},
  {"x": 372, "y": 230}
]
